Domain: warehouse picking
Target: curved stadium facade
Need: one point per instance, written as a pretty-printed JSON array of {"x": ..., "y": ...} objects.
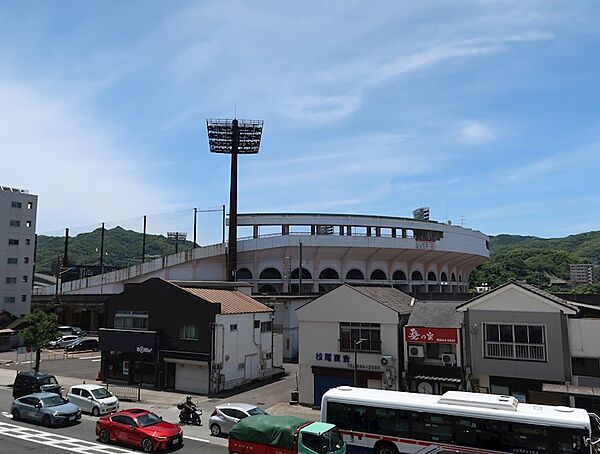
[{"x": 312, "y": 253}]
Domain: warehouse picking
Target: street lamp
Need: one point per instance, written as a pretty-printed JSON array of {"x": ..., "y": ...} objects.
[
  {"x": 233, "y": 137},
  {"x": 356, "y": 344}
]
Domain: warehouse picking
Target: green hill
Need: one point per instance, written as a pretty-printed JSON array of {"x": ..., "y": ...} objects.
[
  {"x": 535, "y": 259},
  {"x": 122, "y": 248}
]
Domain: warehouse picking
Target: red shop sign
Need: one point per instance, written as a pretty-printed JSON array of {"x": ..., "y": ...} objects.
[{"x": 431, "y": 335}]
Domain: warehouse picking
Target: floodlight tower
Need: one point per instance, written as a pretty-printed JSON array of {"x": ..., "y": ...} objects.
[{"x": 233, "y": 137}]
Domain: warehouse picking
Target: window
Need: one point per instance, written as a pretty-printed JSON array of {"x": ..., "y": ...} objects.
[
  {"x": 266, "y": 327},
  {"x": 11, "y": 280},
  {"x": 350, "y": 333},
  {"x": 14, "y": 204},
  {"x": 15, "y": 223},
  {"x": 28, "y": 224},
  {"x": 521, "y": 342},
  {"x": 256, "y": 324},
  {"x": 586, "y": 366},
  {"x": 29, "y": 205},
  {"x": 23, "y": 298},
  {"x": 25, "y": 259},
  {"x": 188, "y": 332},
  {"x": 233, "y": 327},
  {"x": 9, "y": 300},
  {"x": 27, "y": 242},
  {"x": 12, "y": 260},
  {"x": 85, "y": 393},
  {"x": 131, "y": 320},
  {"x": 25, "y": 278},
  {"x": 433, "y": 351},
  {"x": 124, "y": 420},
  {"x": 76, "y": 391},
  {"x": 13, "y": 242}
]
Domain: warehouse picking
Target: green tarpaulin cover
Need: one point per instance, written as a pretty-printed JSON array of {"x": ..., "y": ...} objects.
[{"x": 268, "y": 430}]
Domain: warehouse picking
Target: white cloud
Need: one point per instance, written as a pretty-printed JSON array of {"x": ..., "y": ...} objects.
[
  {"x": 474, "y": 132},
  {"x": 58, "y": 151}
]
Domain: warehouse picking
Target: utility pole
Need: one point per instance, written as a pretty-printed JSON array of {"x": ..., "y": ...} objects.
[
  {"x": 65, "y": 261},
  {"x": 300, "y": 271},
  {"x": 57, "y": 278},
  {"x": 144, "y": 242},
  {"x": 356, "y": 344},
  {"x": 195, "y": 221},
  {"x": 102, "y": 250},
  {"x": 223, "y": 223}
]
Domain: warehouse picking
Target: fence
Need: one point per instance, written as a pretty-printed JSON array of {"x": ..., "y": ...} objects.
[{"x": 125, "y": 392}]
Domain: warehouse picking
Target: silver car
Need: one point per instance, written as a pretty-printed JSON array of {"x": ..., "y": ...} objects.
[
  {"x": 63, "y": 341},
  {"x": 47, "y": 408},
  {"x": 225, "y": 416}
]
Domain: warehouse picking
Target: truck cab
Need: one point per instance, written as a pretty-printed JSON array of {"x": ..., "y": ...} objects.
[{"x": 285, "y": 435}]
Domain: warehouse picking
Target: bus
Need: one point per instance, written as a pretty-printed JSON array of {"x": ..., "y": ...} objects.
[{"x": 392, "y": 422}]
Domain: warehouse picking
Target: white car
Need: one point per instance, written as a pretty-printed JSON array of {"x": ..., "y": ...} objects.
[
  {"x": 63, "y": 341},
  {"x": 94, "y": 399}
]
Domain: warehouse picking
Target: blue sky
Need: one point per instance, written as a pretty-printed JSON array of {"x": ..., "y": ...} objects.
[{"x": 484, "y": 110}]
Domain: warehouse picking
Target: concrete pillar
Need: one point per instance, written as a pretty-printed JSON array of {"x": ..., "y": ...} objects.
[
  {"x": 254, "y": 231},
  {"x": 285, "y": 229},
  {"x": 377, "y": 231},
  {"x": 368, "y": 231},
  {"x": 404, "y": 235},
  {"x": 93, "y": 320},
  {"x": 341, "y": 227},
  {"x": 349, "y": 230},
  {"x": 313, "y": 229},
  {"x": 394, "y": 232}
]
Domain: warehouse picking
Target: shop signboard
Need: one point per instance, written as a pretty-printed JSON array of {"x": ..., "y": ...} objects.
[
  {"x": 125, "y": 367},
  {"x": 431, "y": 335}
]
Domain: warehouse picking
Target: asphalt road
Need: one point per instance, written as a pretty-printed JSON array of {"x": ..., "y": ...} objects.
[
  {"x": 19, "y": 437},
  {"x": 81, "y": 365}
]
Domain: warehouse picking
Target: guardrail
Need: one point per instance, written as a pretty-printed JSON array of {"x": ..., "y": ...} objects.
[{"x": 125, "y": 392}]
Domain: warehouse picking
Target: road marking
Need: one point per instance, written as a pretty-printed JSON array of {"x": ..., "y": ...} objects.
[
  {"x": 89, "y": 357},
  {"x": 96, "y": 360},
  {"x": 58, "y": 441},
  {"x": 196, "y": 439},
  {"x": 6, "y": 414}
]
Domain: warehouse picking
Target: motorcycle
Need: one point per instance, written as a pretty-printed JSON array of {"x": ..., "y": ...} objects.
[{"x": 189, "y": 416}]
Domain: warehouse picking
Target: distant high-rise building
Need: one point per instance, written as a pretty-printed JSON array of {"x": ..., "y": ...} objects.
[
  {"x": 17, "y": 242},
  {"x": 583, "y": 273}
]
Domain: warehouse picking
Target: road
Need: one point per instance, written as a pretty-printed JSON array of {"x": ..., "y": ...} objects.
[
  {"x": 80, "y": 365},
  {"x": 18, "y": 437}
]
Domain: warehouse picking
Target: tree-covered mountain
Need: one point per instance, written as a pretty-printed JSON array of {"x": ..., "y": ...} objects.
[
  {"x": 122, "y": 248},
  {"x": 536, "y": 260}
]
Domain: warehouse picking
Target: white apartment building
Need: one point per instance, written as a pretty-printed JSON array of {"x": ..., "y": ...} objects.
[
  {"x": 582, "y": 273},
  {"x": 17, "y": 245}
]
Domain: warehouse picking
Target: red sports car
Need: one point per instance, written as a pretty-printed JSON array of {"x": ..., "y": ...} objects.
[{"x": 140, "y": 428}]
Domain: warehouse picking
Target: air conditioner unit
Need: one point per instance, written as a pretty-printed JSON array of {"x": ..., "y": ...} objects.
[
  {"x": 386, "y": 360},
  {"x": 448, "y": 359},
  {"x": 416, "y": 351}
]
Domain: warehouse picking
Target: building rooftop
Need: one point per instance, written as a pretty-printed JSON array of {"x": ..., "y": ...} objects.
[
  {"x": 436, "y": 314},
  {"x": 232, "y": 302},
  {"x": 388, "y": 296}
]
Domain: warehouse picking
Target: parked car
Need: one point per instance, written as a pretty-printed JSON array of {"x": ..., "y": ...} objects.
[
  {"x": 30, "y": 382},
  {"x": 225, "y": 416},
  {"x": 50, "y": 409},
  {"x": 82, "y": 344},
  {"x": 94, "y": 399},
  {"x": 139, "y": 428},
  {"x": 66, "y": 330},
  {"x": 63, "y": 341}
]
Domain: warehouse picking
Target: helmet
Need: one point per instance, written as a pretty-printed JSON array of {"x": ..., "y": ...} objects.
[{"x": 188, "y": 398}]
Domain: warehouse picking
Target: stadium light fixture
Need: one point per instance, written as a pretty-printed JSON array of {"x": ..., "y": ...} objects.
[{"x": 233, "y": 137}]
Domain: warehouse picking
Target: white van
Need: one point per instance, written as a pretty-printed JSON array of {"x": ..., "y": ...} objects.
[{"x": 94, "y": 399}]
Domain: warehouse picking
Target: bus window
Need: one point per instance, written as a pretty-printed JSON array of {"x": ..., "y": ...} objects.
[{"x": 567, "y": 441}]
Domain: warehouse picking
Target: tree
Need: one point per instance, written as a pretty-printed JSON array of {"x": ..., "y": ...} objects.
[{"x": 42, "y": 327}]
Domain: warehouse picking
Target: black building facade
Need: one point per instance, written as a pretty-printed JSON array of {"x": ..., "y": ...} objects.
[{"x": 146, "y": 325}]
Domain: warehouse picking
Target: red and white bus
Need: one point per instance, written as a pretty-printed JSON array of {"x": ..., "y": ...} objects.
[{"x": 391, "y": 422}]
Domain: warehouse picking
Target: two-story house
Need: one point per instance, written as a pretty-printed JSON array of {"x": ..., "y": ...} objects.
[
  {"x": 433, "y": 348},
  {"x": 351, "y": 330},
  {"x": 188, "y": 336}
]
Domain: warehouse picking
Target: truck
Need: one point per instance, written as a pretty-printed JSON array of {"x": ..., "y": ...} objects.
[{"x": 265, "y": 434}]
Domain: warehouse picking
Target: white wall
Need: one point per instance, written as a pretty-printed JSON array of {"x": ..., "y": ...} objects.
[
  {"x": 319, "y": 333},
  {"x": 584, "y": 337},
  {"x": 232, "y": 348},
  {"x": 277, "y": 350}
]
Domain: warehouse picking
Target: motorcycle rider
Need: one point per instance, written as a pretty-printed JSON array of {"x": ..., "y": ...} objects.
[{"x": 189, "y": 410}]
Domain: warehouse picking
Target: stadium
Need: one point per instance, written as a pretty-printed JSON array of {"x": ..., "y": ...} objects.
[{"x": 310, "y": 253}]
